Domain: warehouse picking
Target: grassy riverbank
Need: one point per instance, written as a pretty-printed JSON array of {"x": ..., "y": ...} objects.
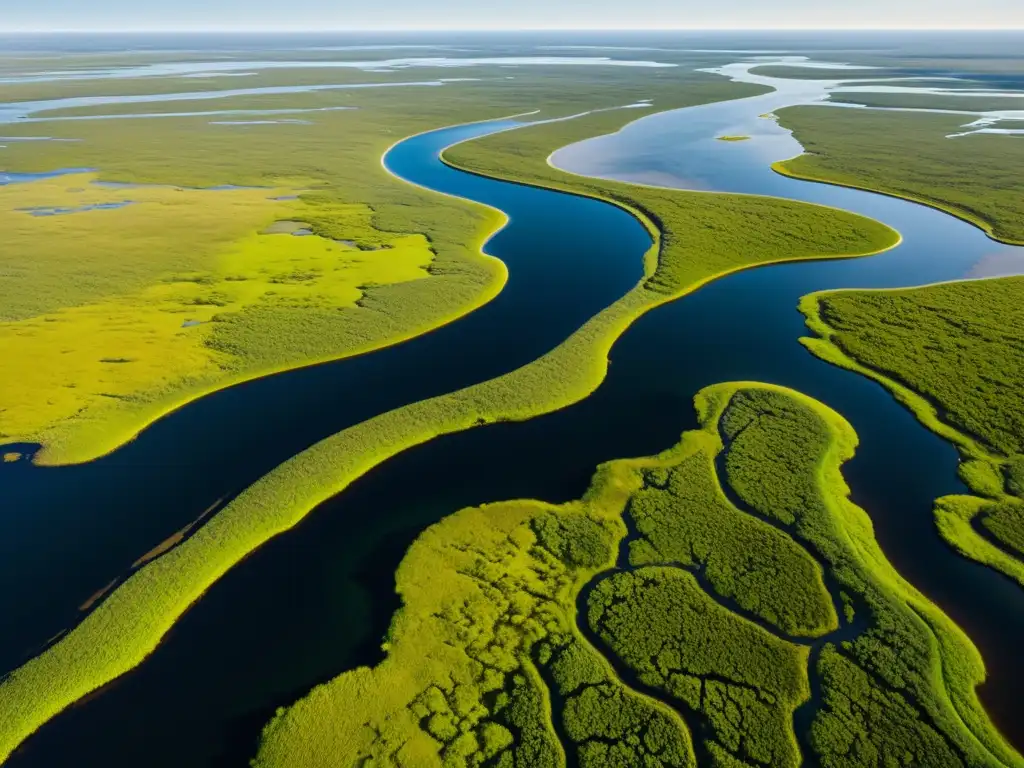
[
  {"x": 701, "y": 237},
  {"x": 490, "y": 662},
  {"x": 951, "y": 353},
  {"x": 130, "y": 313},
  {"x": 908, "y": 155}
]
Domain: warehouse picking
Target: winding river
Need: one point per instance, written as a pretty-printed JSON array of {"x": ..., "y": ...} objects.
[{"x": 316, "y": 601}]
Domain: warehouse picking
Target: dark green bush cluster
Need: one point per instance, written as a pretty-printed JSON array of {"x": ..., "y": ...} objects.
[
  {"x": 1005, "y": 521},
  {"x": 742, "y": 681},
  {"x": 957, "y": 344},
  {"x": 607, "y": 724},
  {"x": 779, "y": 455},
  {"x": 856, "y": 711},
  {"x": 576, "y": 540},
  {"x": 953, "y": 354},
  {"x": 685, "y": 519}
]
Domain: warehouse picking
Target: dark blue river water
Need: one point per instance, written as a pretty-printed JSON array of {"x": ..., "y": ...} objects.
[
  {"x": 69, "y": 531},
  {"x": 316, "y": 601}
]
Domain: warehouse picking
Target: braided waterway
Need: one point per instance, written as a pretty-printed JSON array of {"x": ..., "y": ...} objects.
[{"x": 316, "y": 601}]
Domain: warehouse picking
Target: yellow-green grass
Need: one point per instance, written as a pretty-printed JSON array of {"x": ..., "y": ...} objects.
[
  {"x": 485, "y": 661},
  {"x": 119, "y": 283},
  {"x": 93, "y": 302},
  {"x": 701, "y": 237},
  {"x": 488, "y": 619},
  {"x": 904, "y": 154},
  {"x": 733, "y": 138},
  {"x": 951, "y": 353},
  {"x": 86, "y": 372}
]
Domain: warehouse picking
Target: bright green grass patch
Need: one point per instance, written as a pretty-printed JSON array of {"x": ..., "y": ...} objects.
[
  {"x": 106, "y": 363},
  {"x": 952, "y": 354},
  {"x": 733, "y": 138},
  {"x": 485, "y": 663},
  {"x": 908, "y": 155},
  {"x": 705, "y": 236},
  {"x": 96, "y": 301}
]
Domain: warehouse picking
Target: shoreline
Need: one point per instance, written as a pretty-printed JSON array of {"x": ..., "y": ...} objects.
[
  {"x": 781, "y": 168},
  {"x": 954, "y": 518}
]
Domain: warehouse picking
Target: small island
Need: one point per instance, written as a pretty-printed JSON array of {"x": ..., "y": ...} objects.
[{"x": 733, "y": 138}]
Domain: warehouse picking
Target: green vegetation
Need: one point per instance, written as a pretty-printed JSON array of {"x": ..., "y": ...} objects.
[
  {"x": 733, "y": 138},
  {"x": 704, "y": 236},
  {"x": 745, "y": 681},
  {"x": 792, "y": 72},
  {"x": 487, "y": 662},
  {"x": 184, "y": 285},
  {"x": 948, "y": 101},
  {"x": 486, "y": 633},
  {"x": 197, "y": 301},
  {"x": 952, "y": 354},
  {"x": 187, "y": 287},
  {"x": 741, "y": 559},
  {"x": 782, "y": 460},
  {"x": 908, "y": 155}
]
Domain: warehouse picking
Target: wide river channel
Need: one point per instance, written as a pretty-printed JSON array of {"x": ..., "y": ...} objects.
[{"x": 317, "y": 600}]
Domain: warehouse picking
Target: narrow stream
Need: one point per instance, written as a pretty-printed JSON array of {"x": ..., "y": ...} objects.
[{"x": 317, "y": 600}]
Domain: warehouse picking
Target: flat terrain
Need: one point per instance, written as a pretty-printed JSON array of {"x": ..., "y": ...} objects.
[
  {"x": 723, "y": 603},
  {"x": 950, "y": 102},
  {"x": 732, "y": 237},
  {"x": 183, "y": 291},
  {"x": 909, "y": 155}
]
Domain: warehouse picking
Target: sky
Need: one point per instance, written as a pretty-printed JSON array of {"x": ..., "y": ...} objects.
[{"x": 325, "y": 15}]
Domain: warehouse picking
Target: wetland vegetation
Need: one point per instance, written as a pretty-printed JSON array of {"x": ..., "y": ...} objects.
[
  {"x": 186, "y": 288},
  {"x": 966, "y": 103},
  {"x": 952, "y": 354},
  {"x": 723, "y": 234},
  {"x": 723, "y": 603},
  {"x": 531, "y": 633},
  {"x": 909, "y": 155}
]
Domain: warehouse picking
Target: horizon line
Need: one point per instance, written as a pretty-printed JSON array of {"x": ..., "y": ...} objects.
[{"x": 278, "y": 31}]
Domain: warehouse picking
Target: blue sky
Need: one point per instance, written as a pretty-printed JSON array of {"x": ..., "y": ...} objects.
[{"x": 505, "y": 14}]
